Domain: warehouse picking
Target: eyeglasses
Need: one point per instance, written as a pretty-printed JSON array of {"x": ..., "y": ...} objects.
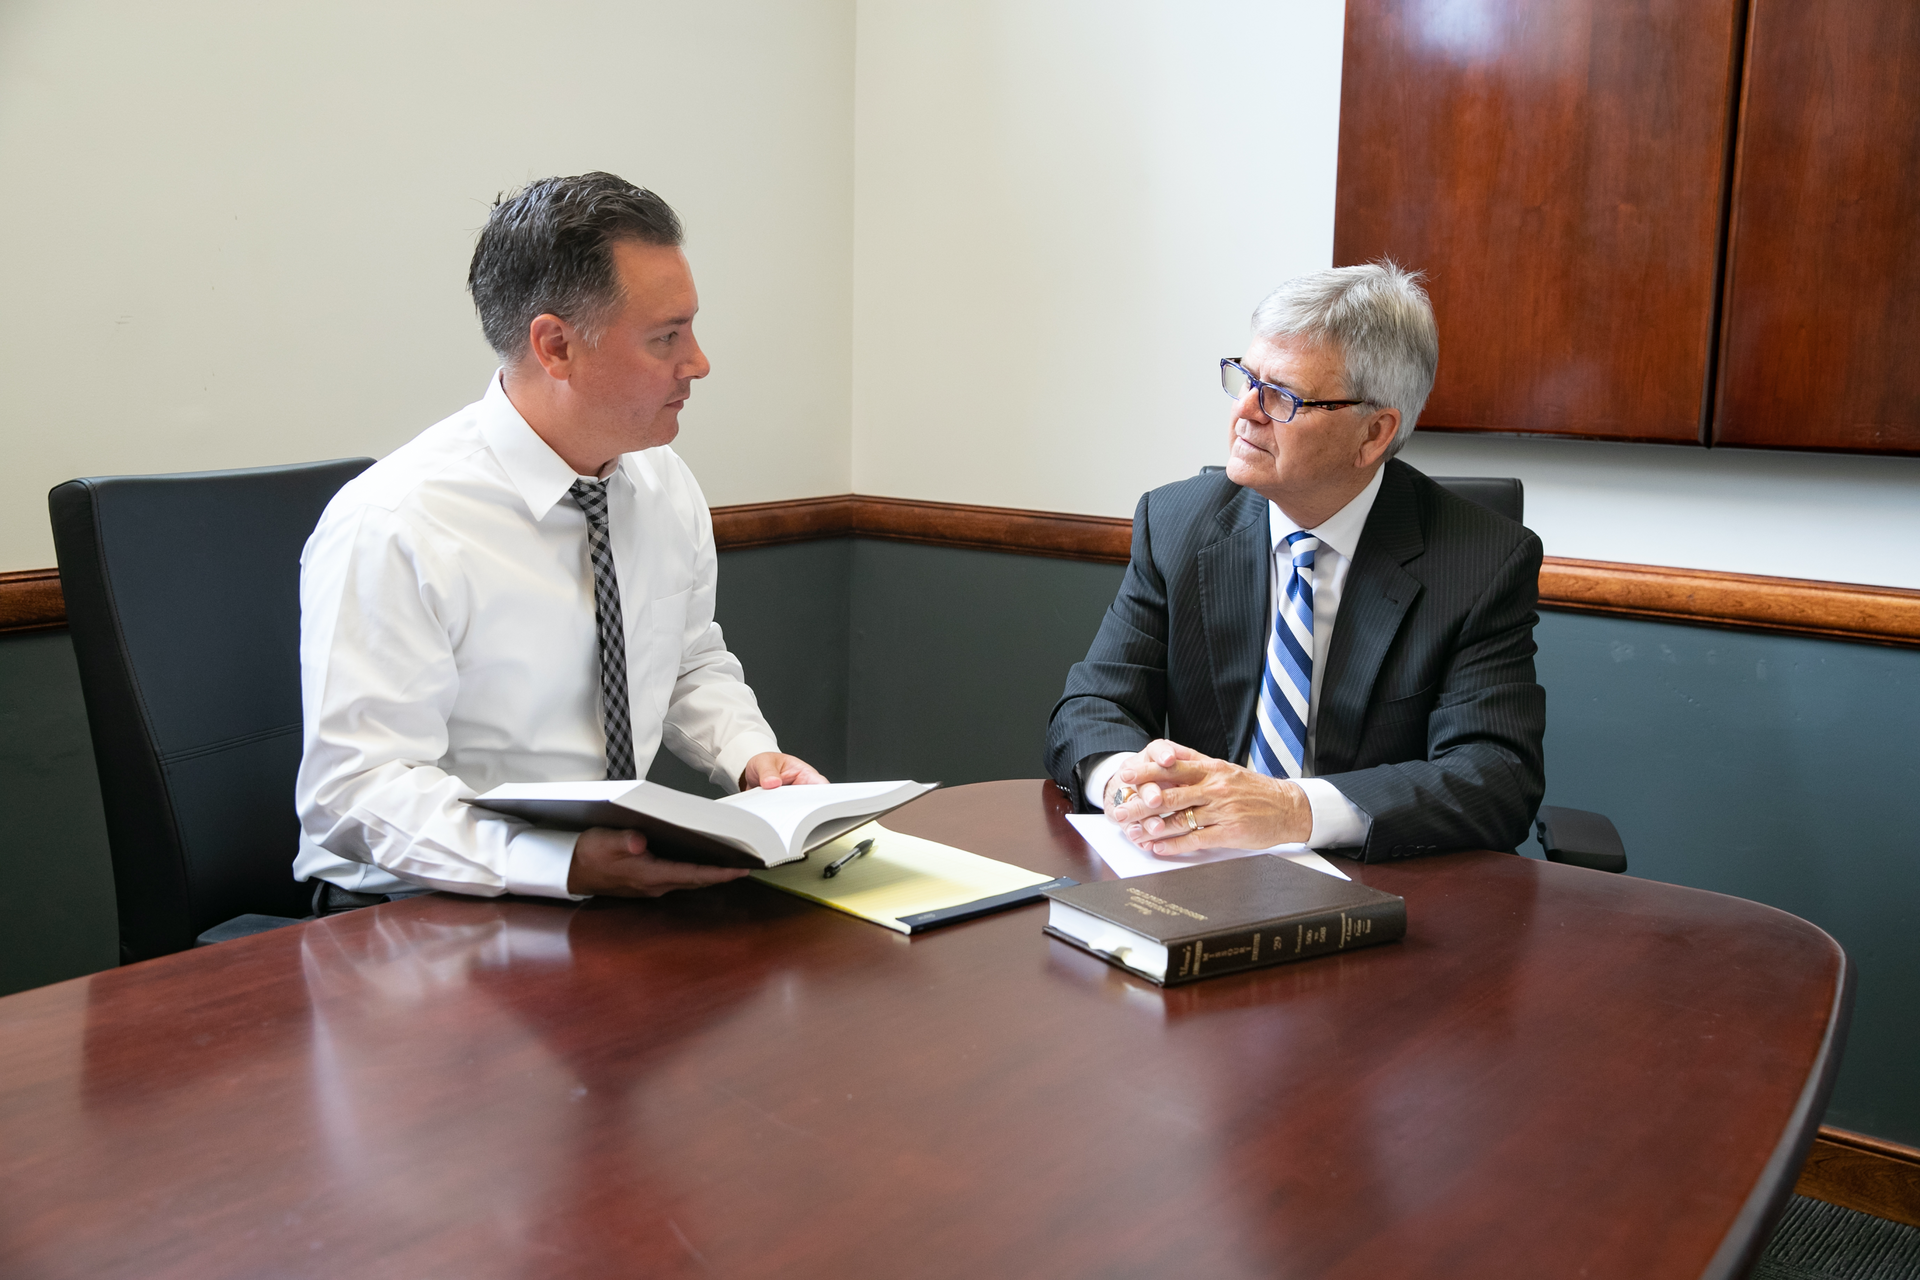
[{"x": 1277, "y": 403}]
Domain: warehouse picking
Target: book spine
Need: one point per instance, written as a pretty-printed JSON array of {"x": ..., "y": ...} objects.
[{"x": 1296, "y": 938}]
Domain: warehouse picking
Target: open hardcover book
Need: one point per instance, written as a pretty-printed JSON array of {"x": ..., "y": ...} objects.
[{"x": 753, "y": 829}]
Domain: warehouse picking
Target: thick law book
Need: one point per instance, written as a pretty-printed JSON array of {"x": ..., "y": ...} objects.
[
  {"x": 753, "y": 829},
  {"x": 1220, "y": 917}
]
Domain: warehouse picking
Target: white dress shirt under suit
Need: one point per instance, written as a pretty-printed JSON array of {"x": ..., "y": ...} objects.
[
  {"x": 448, "y": 644},
  {"x": 1337, "y": 821}
]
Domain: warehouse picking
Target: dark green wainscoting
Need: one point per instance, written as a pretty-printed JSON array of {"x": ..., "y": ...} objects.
[
  {"x": 56, "y": 915},
  {"x": 785, "y": 612},
  {"x": 1772, "y": 768},
  {"x": 1778, "y": 769}
]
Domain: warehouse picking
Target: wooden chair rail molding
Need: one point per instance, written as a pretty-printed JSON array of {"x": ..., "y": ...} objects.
[
  {"x": 31, "y": 601},
  {"x": 1792, "y": 606}
]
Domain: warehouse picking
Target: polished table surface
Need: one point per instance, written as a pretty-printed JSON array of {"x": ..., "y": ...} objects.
[{"x": 1557, "y": 1073}]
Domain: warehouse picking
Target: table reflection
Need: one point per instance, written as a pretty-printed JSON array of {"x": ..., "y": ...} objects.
[{"x": 443, "y": 1036}]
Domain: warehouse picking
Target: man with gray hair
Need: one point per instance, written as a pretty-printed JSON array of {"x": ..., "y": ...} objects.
[{"x": 1320, "y": 645}]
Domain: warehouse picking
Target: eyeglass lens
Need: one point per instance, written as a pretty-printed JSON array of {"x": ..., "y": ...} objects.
[{"x": 1273, "y": 402}]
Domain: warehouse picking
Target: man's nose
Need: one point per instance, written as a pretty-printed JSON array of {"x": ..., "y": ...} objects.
[
  {"x": 1249, "y": 407},
  {"x": 697, "y": 366}
]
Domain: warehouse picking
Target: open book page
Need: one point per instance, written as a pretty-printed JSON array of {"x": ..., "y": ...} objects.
[
  {"x": 902, "y": 876},
  {"x": 794, "y": 812},
  {"x": 1129, "y": 859}
]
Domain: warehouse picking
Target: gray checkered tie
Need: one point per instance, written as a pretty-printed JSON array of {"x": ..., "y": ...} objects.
[{"x": 591, "y": 497}]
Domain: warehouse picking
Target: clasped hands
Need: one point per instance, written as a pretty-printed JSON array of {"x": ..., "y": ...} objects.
[
  {"x": 609, "y": 860},
  {"x": 1171, "y": 800}
]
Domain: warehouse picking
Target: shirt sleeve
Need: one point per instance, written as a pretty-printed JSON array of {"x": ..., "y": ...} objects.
[
  {"x": 1099, "y": 772},
  {"x": 378, "y": 682},
  {"x": 1338, "y": 823},
  {"x": 713, "y": 720}
]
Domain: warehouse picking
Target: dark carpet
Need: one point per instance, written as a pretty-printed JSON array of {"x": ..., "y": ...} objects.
[{"x": 1819, "y": 1241}]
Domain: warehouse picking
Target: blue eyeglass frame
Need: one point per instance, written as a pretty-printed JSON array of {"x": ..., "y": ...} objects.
[{"x": 1294, "y": 403}]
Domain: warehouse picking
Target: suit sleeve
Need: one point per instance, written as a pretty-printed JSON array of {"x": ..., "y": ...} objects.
[
  {"x": 1484, "y": 772},
  {"x": 1116, "y": 699}
]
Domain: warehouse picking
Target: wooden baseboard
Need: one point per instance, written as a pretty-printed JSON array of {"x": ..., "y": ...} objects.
[
  {"x": 1870, "y": 1175},
  {"x": 31, "y": 601}
]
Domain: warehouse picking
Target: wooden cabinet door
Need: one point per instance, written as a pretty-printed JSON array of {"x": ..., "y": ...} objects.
[
  {"x": 1557, "y": 167},
  {"x": 1822, "y": 330}
]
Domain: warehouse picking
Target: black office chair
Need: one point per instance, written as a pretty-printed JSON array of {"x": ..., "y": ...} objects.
[
  {"x": 183, "y": 600},
  {"x": 1578, "y": 837}
]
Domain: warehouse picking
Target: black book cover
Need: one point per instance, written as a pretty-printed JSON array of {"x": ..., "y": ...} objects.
[{"x": 1239, "y": 914}]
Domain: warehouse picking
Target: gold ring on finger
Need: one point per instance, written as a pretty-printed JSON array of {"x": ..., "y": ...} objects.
[{"x": 1193, "y": 820}]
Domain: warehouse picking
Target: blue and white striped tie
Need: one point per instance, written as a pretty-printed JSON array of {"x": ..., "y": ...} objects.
[{"x": 1280, "y": 723}]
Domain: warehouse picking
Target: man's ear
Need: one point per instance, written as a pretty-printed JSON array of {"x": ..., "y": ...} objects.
[
  {"x": 1381, "y": 429},
  {"x": 554, "y": 344}
]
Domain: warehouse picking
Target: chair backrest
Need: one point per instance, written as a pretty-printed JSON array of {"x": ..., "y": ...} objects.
[
  {"x": 1503, "y": 495},
  {"x": 183, "y": 600}
]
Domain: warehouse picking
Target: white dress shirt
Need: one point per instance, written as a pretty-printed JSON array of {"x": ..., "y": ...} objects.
[
  {"x": 1337, "y": 822},
  {"x": 448, "y": 644}
]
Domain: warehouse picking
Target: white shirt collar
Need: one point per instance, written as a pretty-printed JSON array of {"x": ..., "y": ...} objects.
[
  {"x": 1339, "y": 532},
  {"x": 541, "y": 476}
]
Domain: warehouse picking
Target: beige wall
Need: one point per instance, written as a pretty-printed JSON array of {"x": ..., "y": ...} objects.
[
  {"x": 237, "y": 234},
  {"x": 1063, "y": 214}
]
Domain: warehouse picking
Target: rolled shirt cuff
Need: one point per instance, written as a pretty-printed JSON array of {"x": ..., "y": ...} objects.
[
  {"x": 1094, "y": 784},
  {"x": 538, "y": 862},
  {"x": 1338, "y": 823},
  {"x": 732, "y": 761}
]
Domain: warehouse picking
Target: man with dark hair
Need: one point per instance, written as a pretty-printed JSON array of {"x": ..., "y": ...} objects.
[
  {"x": 524, "y": 592},
  {"x": 1319, "y": 645}
]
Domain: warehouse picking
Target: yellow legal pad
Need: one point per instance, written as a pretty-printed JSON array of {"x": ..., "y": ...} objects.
[{"x": 906, "y": 883}]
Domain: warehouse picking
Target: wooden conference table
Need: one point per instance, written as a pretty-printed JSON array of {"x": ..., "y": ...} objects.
[{"x": 1557, "y": 1073}]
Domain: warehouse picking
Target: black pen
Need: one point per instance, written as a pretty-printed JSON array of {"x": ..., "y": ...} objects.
[{"x": 833, "y": 868}]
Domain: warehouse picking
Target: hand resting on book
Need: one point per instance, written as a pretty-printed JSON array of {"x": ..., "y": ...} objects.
[
  {"x": 772, "y": 769},
  {"x": 1233, "y": 807},
  {"x": 616, "y": 863}
]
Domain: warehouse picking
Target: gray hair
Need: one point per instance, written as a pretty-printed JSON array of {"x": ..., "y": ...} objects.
[{"x": 1379, "y": 318}]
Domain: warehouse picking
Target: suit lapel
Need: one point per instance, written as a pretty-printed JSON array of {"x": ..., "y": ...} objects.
[
  {"x": 1375, "y": 600},
  {"x": 1233, "y": 607}
]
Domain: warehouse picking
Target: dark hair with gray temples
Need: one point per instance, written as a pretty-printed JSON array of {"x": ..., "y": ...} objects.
[
  {"x": 1379, "y": 318},
  {"x": 548, "y": 249}
]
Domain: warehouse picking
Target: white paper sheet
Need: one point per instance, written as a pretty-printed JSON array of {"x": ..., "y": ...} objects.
[{"x": 1129, "y": 859}]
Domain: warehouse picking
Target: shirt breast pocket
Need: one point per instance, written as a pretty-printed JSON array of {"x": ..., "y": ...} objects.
[{"x": 665, "y": 641}]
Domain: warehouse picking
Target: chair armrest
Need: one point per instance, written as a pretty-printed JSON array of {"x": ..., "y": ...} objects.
[
  {"x": 1580, "y": 838},
  {"x": 242, "y": 927}
]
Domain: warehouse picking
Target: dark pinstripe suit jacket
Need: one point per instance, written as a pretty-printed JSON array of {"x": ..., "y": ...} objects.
[{"x": 1430, "y": 718}]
